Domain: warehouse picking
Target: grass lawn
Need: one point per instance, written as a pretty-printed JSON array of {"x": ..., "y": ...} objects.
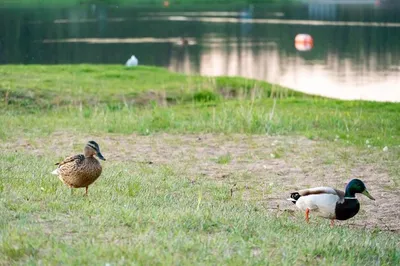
[
  {"x": 197, "y": 170},
  {"x": 114, "y": 99}
]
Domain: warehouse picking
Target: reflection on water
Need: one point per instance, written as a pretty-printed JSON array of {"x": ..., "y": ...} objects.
[
  {"x": 87, "y": 20},
  {"x": 351, "y": 82},
  {"x": 277, "y": 21},
  {"x": 355, "y": 56},
  {"x": 176, "y": 41}
]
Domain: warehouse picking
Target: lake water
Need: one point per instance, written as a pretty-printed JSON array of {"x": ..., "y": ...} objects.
[{"x": 356, "y": 53}]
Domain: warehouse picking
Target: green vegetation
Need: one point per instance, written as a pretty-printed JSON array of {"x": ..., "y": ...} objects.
[
  {"x": 115, "y": 99},
  {"x": 163, "y": 214},
  {"x": 224, "y": 159},
  {"x": 145, "y": 214},
  {"x": 149, "y": 215}
]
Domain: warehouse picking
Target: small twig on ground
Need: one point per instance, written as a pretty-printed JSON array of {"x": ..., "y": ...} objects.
[{"x": 232, "y": 189}]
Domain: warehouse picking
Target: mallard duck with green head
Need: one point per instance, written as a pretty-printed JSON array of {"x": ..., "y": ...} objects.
[
  {"x": 329, "y": 202},
  {"x": 81, "y": 170}
]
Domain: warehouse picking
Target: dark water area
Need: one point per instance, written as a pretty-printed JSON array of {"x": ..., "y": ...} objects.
[{"x": 356, "y": 52}]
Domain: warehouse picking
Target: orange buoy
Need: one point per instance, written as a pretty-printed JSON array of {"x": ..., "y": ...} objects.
[
  {"x": 166, "y": 3},
  {"x": 303, "y": 42}
]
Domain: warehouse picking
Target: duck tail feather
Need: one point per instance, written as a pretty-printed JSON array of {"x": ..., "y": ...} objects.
[{"x": 294, "y": 197}]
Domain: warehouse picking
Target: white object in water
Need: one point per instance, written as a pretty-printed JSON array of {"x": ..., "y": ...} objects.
[{"x": 133, "y": 61}]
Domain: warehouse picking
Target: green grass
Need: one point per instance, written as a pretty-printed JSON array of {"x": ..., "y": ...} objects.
[
  {"x": 146, "y": 214},
  {"x": 39, "y": 100},
  {"x": 224, "y": 159},
  {"x": 162, "y": 214},
  {"x": 116, "y": 86}
]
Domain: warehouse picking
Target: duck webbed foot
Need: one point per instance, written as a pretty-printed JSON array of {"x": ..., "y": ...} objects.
[{"x": 307, "y": 215}]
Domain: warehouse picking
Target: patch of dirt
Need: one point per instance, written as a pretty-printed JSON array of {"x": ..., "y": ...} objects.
[
  {"x": 259, "y": 168},
  {"x": 150, "y": 96}
]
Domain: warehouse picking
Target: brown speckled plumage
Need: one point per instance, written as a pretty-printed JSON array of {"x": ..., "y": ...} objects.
[{"x": 81, "y": 170}]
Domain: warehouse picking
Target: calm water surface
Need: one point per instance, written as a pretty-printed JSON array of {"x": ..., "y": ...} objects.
[{"x": 356, "y": 53}]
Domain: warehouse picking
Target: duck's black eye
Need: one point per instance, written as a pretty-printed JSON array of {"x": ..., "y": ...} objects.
[
  {"x": 93, "y": 143},
  {"x": 91, "y": 146}
]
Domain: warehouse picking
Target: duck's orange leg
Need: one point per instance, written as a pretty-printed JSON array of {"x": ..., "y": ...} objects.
[
  {"x": 332, "y": 223},
  {"x": 307, "y": 215}
]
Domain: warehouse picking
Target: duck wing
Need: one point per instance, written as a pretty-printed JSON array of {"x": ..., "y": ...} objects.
[
  {"x": 321, "y": 190},
  {"x": 294, "y": 196},
  {"x": 75, "y": 158}
]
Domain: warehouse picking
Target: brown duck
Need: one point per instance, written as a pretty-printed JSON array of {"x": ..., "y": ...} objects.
[{"x": 81, "y": 170}]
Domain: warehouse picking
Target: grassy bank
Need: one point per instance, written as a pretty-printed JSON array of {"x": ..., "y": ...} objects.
[
  {"x": 113, "y": 99},
  {"x": 183, "y": 199}
]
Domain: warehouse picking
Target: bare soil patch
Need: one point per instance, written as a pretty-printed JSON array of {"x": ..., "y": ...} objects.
[{"x": 264, "y": 169}]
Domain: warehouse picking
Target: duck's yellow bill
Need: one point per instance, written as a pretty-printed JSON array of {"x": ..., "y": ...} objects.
[{"x": 366, "y": 193}]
